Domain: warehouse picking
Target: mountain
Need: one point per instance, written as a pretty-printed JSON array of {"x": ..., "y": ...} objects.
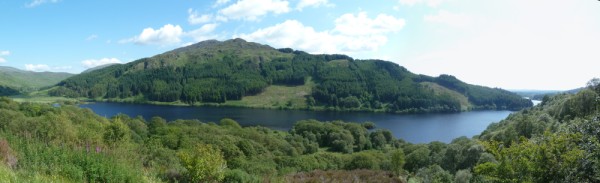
[
  {"x": 555, "y": 141},
  {"x": 98, "y": 67},
  {"x": 540, "y": 94},
  {"x": 21, "y": 80},
  {"x": 234, "y": 72}
]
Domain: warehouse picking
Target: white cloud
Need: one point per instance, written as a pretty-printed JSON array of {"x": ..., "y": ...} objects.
[
  {"x": 449, "y": 18},
  {"x": 220, "y": 2},
  {"x": 91, "y": 37},
  {"x": 294, "y": 34},
  {"x": 35, "y": 3},
  {"x": 91, "y": 63},
  {"x": 430, "y": 3},
  {"x": 291, "y": 33},
  {"x": 37, "y": 67},
  {"x": 254, "y": 9},
  {"x": 44, "y": 67},
  {"x": 203, "y": 33},
  {"x": 167, "y": 35},
  {"x": 313, "y": 3},
  {"x": 361, "y": 24},
  {"x": 221, "y": 18},
  {"x": 4, "y": 53},
  {"x": 187, "y": 44},
  {"x": 194, "y": 18},
  {"x": 170, "y": 35}
]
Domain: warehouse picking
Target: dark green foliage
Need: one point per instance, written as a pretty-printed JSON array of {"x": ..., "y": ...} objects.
[
  {"x": 417, "y": 159},
  {"x": 398, "y": 161},
  {"x": 369, "y": 125},
  {"x": 463, "y": 176},
  {"x": 8, "y": 91},
  {"x": 216, "y": 72},
  {"x": 230, "y": 122},
  {"x": 556, "y": 141},
  {"x": 434, "y": 174},
  {"x": 362, "y": 161},
  {"x": 342, "y": 137},
  {"x": 483, "y": 97},
  {"x": 115, "y": 133},
  {"x": 582, "y": 104}
]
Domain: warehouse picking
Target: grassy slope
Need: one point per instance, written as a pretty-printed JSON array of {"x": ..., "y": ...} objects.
[
  {"x": 42, "y": 97},
  {"x": 277, "y": 96},
  {"x": 440, "y": 90},
  {"x": 16, "y": 78},
  {"x": 274, "y": 97}
]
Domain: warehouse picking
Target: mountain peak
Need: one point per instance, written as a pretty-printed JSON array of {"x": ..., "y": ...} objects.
[{"x": 213, "y": 44}]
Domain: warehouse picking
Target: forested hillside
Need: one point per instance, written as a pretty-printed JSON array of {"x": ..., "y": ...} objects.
[
  {"x": 556, "y": 141},
  {"x": 14, "y": 81},
  {"x": 217, "y": 72}
]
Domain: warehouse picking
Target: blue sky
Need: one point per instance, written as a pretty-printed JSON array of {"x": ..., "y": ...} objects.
[{"x": 512, "y": 44}]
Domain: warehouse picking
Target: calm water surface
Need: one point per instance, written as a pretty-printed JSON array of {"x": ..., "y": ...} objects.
[{"x": 415, "y": 128}]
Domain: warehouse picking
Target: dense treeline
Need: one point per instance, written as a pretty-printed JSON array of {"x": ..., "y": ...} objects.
[
  {"x": 556, "y": 141},
  {"x": 482, "y": 97},
  {"x": 8, "y": 91},
  {"x": 44, "y": 143},
  {"x": 216, "y": 72}
]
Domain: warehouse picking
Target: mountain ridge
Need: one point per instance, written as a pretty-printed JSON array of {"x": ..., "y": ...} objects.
[
  {"x": 220, "y": 71},
  {"x": 24, "y": 81}
]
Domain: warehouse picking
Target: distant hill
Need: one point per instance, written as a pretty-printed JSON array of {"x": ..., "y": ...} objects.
[
  {"x": 221, "y": 73},
  {"x": 539, "y": 94},
  {"x": 99, "y": 67},
  {"x": 20, "y": 80}
]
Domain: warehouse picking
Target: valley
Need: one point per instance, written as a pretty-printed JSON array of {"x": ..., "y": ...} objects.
[{"x": 299, "y": 91}]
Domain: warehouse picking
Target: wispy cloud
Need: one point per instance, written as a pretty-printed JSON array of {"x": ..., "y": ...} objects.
[
  {"x": 203, "y": 33},
  {"x": 35, "y": 3},
  {"x": 2, "y": 54},
  {"x": 44, "y": 67},
  {"x": 170, "y": 35},
  {"x": 220, "y": 3},
  {"x": 430, "y": 3},
  {"x": 194, "y": 18},
  {"x": 91, "y": 63},
  {"x": 353, "y": 33},
  {"x": 166, "y": 35},
  {"x": 91, "y": 37},
  {"x": 253, "y": 10},
  {"x": 313, "y": 3}
]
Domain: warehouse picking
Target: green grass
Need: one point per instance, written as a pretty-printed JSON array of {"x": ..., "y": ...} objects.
[
  {"x": 27, "y": 80},
  {"x": 277, "y": 96},
  {"x": 440, "y": 90},
  {"x": 43, "y": 97},
  {"x": 273, "y": 97}
]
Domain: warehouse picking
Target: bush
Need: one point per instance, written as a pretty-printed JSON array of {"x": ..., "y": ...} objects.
[
  {"x": 434, "y": 174},
  {"x": 230, "y": 122},
  {"x": 204, "y": 163},
  {"x": 363, "y": 161}
]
